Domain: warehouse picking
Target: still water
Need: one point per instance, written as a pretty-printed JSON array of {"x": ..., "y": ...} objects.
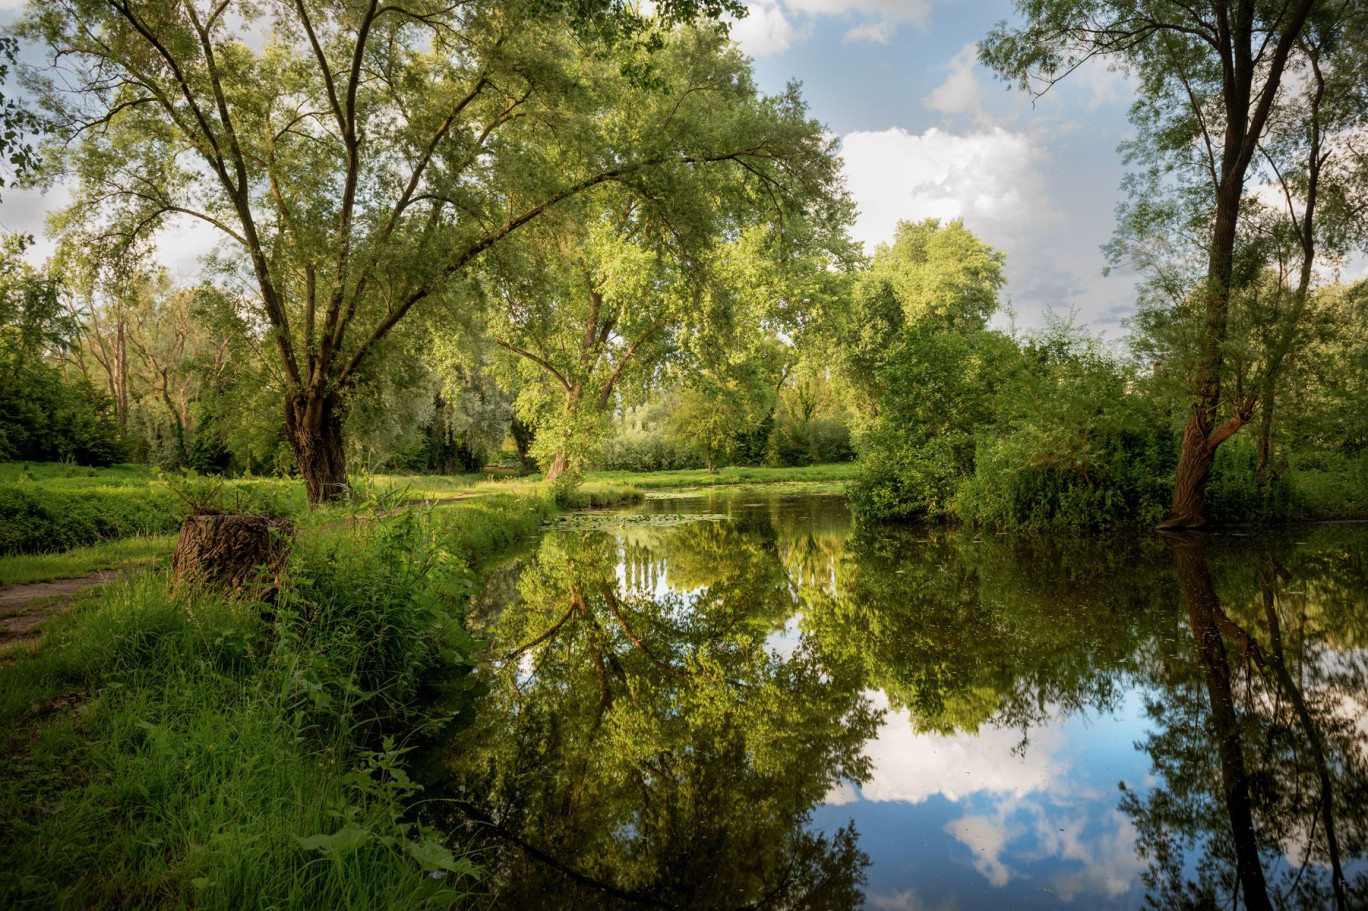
[{"x": 743, "y": 701}]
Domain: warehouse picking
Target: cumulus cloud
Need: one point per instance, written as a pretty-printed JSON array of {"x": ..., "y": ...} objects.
[
  {"x": 989, "y": 178},
  {"x": 1018, "y": 807},
  {"x": 987, "y": 839},
  {"x": 772, "y": 26},
  {"x": 767, "y": 29},
  {"x": 961, "y": 93}
]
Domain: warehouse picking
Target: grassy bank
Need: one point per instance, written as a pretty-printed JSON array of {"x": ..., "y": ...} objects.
[
  {"x": 170, "y": 748},
  {"x": 53, "y": 508},
  {"x": 82, "y": 561}
]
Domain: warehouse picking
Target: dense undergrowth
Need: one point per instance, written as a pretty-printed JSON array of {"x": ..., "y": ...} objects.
[
  {"x": 170, "y": 748},
  {"x": 48, "y": 508}
]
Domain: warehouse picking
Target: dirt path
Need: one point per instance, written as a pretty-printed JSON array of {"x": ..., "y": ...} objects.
[{"x": 23, "y": 607}]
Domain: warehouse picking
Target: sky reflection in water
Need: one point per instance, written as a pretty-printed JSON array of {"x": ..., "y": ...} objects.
[{"x": 686, "y": 714}]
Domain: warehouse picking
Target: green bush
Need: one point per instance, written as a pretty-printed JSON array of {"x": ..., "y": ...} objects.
[
  {"x": 35, "y": 519},
  {"x": 647, "y": 451},
  {"x": 904, "y": 482},
  {"x": 820, "y": 441},
  {"x": 1328, "y": 485},
  {"x": 1011, "y": 489}
]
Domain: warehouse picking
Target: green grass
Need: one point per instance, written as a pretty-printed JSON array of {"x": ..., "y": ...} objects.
[
  {"x": 37, "y": 519},
  {"x": 82, "y": 561},
  {"x": 52, "y": 508},
  {"x": 61, "y": 476},
  {"x": 167, "y": 748}
]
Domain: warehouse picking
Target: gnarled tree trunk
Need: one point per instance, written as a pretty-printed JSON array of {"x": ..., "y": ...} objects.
[
  {"x": 238, "y": 553},
  {"x": 559, "y": 465},
  {"x": 313, "y": 425}
]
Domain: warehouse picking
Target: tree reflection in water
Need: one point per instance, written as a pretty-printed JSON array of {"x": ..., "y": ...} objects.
[
  {"x": 667, "y": 705},
  {"x": 653, "y": 751},
  {"x": 1281, "y": 722}
]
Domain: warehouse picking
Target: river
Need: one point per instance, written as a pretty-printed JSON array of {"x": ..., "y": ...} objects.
[{"x": 743, "y": 700}]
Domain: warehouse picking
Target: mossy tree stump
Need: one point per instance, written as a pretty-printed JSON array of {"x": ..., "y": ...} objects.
[{"x": 237, "y": 553}]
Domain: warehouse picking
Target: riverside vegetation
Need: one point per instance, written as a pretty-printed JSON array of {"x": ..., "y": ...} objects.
[
  {"x": 486, "y": 262},
  {"x": 170, "y": 746}
]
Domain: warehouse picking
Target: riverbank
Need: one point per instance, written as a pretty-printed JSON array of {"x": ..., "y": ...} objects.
[{"x": 170, "y": 747}]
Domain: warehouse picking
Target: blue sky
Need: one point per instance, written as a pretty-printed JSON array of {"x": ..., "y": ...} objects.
[{"x": 928, "y": 132}]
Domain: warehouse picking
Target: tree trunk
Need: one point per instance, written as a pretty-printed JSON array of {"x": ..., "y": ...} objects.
[
  {"x": 559, "y": 465},
  {"x": 1189, "y": 554},
  {"x": 237, "y": 553},
  {"x": 522, "y": 440},
  {"x": 1265, "y": 440},
  {"x": 1188, "y": 509},
  {"x": 314, "y": 428}
]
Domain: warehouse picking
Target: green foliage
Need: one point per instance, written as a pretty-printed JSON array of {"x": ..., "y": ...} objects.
[
  {"x": 936, "y": 388},
  {"x": 222, "y": 757},
  {"x": 811, "y": 425},
  {"x": 646, "y": 451},
  {"x": 706, "y": 422},
  {"x": 43, "y": 416},
  {"x": 1072, "y": 446},
  {"x": 35, "y": 519}
]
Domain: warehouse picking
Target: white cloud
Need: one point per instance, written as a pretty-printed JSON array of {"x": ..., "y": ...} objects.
[
  {"x": 987, "y": 839},
  {"x": 908, "y": 900},
  {"x": 772, "y": 26},
  {"x": 961, "y": 92},
  {"x": 1027, "y": 805},
  {"x": 1108, "y": 86},
  {"x": 912, "y": 767},
  {"x": 989, "y": 178},
  {"x": 766, "y": 30}
]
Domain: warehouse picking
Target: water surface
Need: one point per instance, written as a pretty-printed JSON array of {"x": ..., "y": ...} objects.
[{"x": 742, "y": 701}]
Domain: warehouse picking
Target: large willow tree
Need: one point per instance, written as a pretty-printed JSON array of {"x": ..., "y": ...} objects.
[
  {"x": 359, "y": 156},
  {"x": 1210, "y": 73}
]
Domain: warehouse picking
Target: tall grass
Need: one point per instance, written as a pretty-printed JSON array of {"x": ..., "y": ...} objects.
[{"x": 170, "y": 748}]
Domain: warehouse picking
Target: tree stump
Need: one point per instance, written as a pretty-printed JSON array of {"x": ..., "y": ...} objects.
[{"x": 238, "y": 553}]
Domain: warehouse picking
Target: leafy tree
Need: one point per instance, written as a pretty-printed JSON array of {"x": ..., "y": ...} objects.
[
  {"x": 626, "y": 281},
  {"x": 43, "y": 415},
  {"x": 1073, "y": 445},
  {"x": 359, "y": 159},
  {"x": 923, "y": 365},
  {"x": 17, "y": 122},
  {"x": 1210, "y": 76},
  {"x": 811, "y": 423}
]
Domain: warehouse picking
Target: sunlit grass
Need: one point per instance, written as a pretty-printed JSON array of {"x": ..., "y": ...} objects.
[{"x": 82, "y": 561}]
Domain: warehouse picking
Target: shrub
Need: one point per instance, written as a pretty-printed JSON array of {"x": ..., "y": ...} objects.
[
  {"x": 820, "y": 441},
  {"x": 36, "y": 520},
  {"x": 649, "y": 450}
]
